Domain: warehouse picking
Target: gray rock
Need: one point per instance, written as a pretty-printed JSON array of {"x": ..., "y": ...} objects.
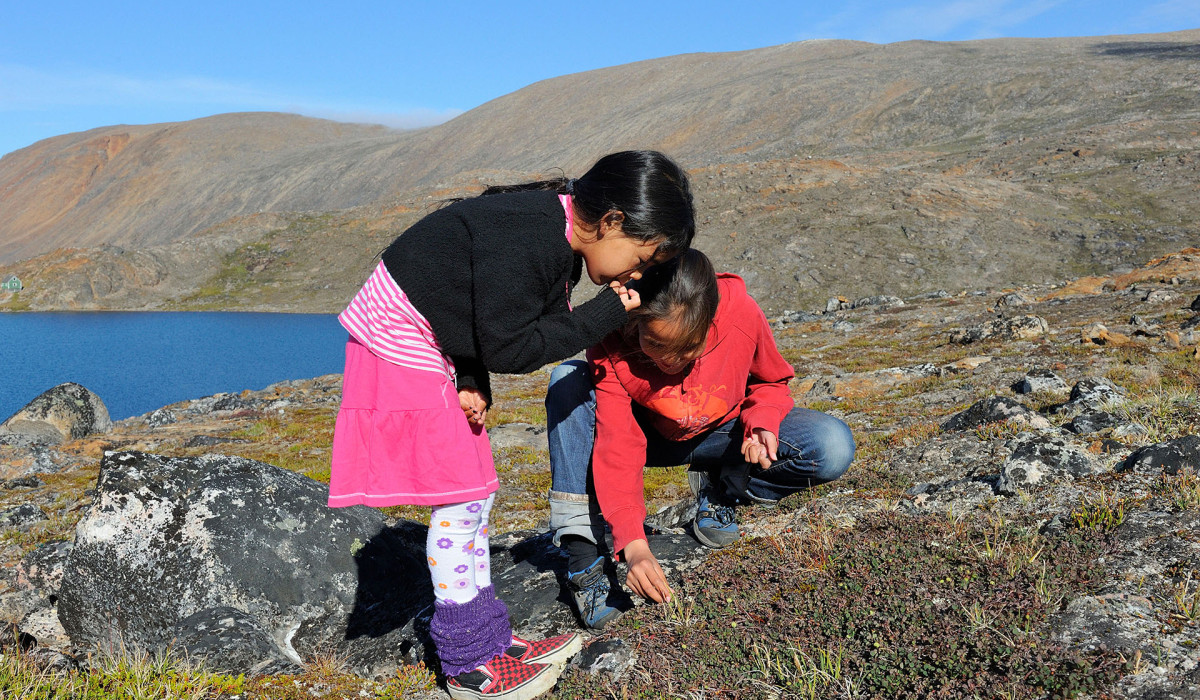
[
  {"x": 1091, "y": 423},
  {"x": 171, "y": 545},
  {"x": 835, "y": 304},
  {"x": 1166, "y": 457},
  {"x": 611, "y": 657},
  {"x": 65, "y": 412},
  {"x": 1130, "y": 430},
  {"x": 44, "y": 626},
  {"x": 24, "y": 514},
  {"x": 1192, "y": 322},
  {"x": 230, "y": 402},
  {"x": 790, "y": 316},
  {"x": 936, "y": 294},
  {"x": 887, "y": 302},
  {"x": 843, "y": 326},
  {"x": 161, "y": 417},
  {"x": 42, "y": 569},
  {"x": 11, "y": 637},
  {"x": 23, "y": 482},
  {"x": 1044, "y": 380},
  {"x": 1036, "y": 458},
  {"x": 52, "y": 661},
  {"x": 167, "y": 538},
  {"x": 1095, "y": 393},
  {"x": 230, "y": 641},
  {"x": 210, "y": 440},
  {"x": 995, "y": 409},
  {"x": 1013, "y": 299},
  {"x": 19, "y": 604},
  {"x": 518, "y": 435},
  {"x": 1019, "y": 328},
  {"x": 1161, "y": 296}
]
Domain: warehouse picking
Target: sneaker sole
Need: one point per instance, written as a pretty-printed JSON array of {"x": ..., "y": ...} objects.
[
  {"x": 561, "y": 655},
  {"x": 528, "y": 690},
  {"x": 708, "y": 542}
]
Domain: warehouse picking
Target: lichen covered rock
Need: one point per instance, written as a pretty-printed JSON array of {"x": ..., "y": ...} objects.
[{"x": 65, "y": 412}]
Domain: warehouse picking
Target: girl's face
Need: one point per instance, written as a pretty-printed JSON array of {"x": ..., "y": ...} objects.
[
  {"x": 656, "y": 337},
  {"x": 610, "y": 254},
  {"x": 618, "y": 257}
]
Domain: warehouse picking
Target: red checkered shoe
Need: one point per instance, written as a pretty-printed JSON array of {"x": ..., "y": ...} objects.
[
  {"x": 503, "y": 678},
  {"x": 554, "y": 650}
]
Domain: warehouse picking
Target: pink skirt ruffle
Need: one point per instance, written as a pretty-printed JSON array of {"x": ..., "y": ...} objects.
[{"x": 401, "y": 438}]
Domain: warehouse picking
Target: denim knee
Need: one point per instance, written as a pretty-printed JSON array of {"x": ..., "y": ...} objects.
[
  {"x": 833, "y": 449},
  {"x": 814, "y": 448},
  {"x": 570, "y": 385}
]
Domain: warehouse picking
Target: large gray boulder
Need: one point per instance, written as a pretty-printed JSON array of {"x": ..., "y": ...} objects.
[
  {"x": 1038, "y": 457},
  {"x": 169, "y": 545},
  {"x": 1166, "y": 457},
  {"x": 65, "y": 412},
  {"x": 243, "y": 564},
  {"x": 996, "y": 409}
]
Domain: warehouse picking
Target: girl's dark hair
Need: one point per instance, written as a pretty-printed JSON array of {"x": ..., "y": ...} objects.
[
  {"x": 647, "y": 187},
  {"x": 682, "y": 290}
]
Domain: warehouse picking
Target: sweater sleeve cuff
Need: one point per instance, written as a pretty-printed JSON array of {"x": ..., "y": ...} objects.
[
  {"x": 470, "y": 373},
  {"x": 627, "y": 526},
  {"x": 604, "y": 313},
  {"x": 765, "y": 417}
]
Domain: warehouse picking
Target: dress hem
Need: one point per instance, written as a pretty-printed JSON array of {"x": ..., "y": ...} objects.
[{"x": 413, "y": 499}]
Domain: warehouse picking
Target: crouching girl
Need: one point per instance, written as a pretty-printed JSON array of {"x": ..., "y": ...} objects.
[{"x": 694, "y": 378}]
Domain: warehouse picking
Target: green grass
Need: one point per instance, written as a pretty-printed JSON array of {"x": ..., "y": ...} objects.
[
  {"x": 131, "y": 675},
  {"x": 896, "y": 606},
  {"x": 300, "y": 440},
  {"x": 16, "y": 303}
]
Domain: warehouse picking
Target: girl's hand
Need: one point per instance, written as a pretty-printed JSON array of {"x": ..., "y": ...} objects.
[
  {"x": 645, "y": 576},
  {"x": 629, "y": 297},
  {"x": 473, "y": 404},
  {"x": 761, "y": 448}
]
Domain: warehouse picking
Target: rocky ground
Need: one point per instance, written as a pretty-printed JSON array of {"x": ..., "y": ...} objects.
[{"x": 1020, "y": 519}]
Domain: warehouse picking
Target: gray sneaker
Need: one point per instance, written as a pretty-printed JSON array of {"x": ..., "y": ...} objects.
[
  {"x": 595, "y": 600},
  {"x": 715, "y": 524}
]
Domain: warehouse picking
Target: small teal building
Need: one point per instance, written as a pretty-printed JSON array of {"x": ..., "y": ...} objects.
[{"x": 11, "y": 284}]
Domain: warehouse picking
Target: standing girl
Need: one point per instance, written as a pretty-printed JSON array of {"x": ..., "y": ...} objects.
[
  {"x": 483, "y": 285},
  {"x": 695, "y": 378}
]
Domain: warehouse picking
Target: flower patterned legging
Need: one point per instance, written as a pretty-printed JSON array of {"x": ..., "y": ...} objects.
[{"x": 457, "y": 549}]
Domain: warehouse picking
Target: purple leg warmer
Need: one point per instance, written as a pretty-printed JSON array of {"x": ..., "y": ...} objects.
[{"x": 469, "y": 634}]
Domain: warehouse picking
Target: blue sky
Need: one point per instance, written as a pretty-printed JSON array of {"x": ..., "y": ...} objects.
[{"x": 70, "y": 66}]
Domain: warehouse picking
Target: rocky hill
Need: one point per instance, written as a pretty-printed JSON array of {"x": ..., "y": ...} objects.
[
  {"x": 821, "y": 168},
  {"x": 1021, "y": 515}
]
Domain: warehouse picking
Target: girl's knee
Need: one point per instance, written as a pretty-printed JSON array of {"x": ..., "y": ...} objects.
[
  {"x": 837, "y": 449},
  {"x": 824, "y": 441},
  {"x": 570, "y": 379}
]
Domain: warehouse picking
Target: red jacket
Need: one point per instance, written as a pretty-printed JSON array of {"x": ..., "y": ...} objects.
[{"x": 741, "y": 373}]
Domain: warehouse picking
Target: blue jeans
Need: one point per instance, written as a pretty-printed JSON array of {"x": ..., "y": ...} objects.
[{"x": 814, "y": 448}]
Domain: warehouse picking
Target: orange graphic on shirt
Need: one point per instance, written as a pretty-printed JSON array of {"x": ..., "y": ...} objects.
[{"x": 681, "y": 415}]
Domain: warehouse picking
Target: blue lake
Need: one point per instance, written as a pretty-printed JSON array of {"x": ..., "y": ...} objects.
[{"x": 139, "y": 361}]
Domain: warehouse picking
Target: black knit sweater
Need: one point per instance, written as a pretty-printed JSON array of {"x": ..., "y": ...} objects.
[{"x": 493, "y": 276}]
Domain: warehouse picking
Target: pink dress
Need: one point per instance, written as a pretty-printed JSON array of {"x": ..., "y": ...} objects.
[{"x": 401, "y": 436}]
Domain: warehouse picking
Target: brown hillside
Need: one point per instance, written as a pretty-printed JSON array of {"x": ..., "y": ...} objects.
[{"x": 821, "y": 168}]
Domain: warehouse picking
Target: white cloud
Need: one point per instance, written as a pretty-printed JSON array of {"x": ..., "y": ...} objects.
[
  {"x": 28, "y": 89},
  {"x": 23, "y": 88},
  {"x": 403, "y": 119}
]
